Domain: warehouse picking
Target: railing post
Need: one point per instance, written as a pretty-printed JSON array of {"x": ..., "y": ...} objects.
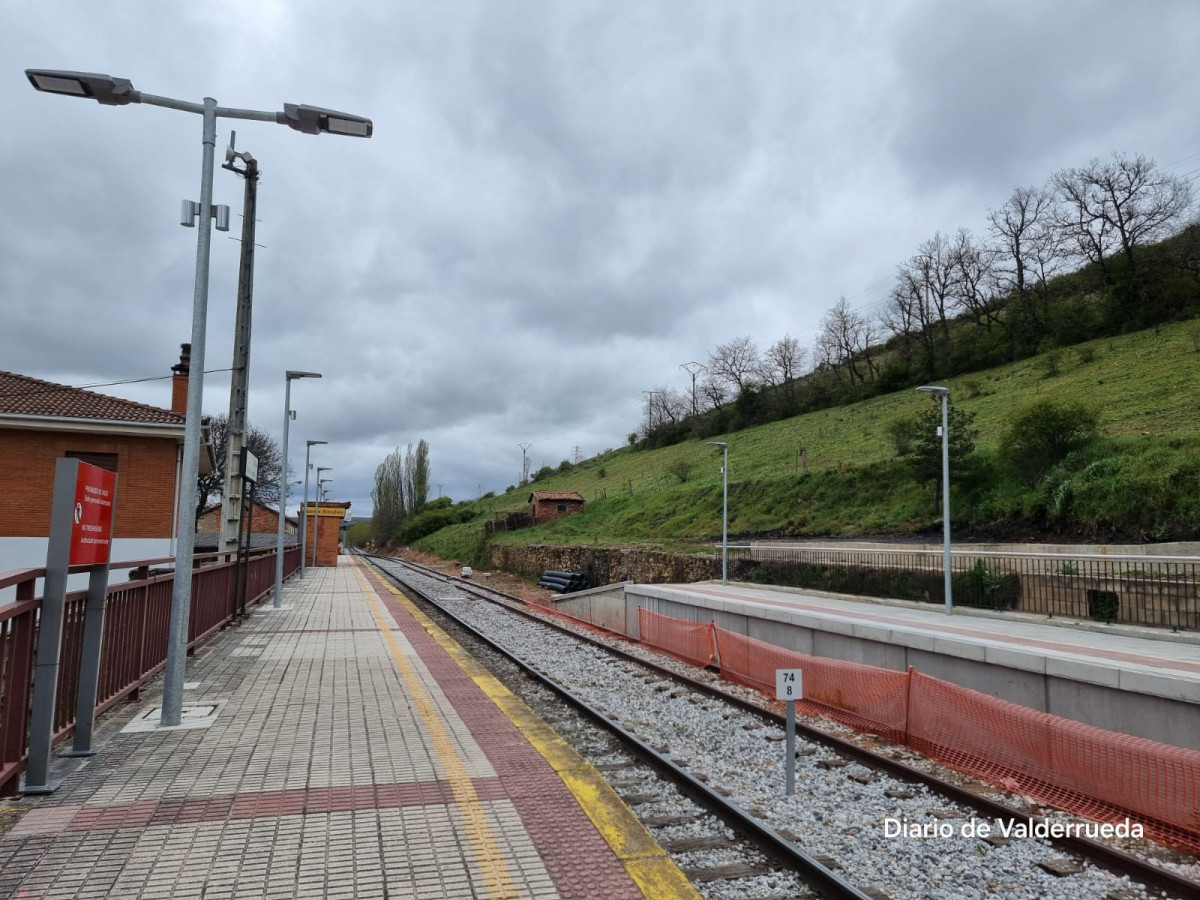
[{"x": 89, "y": 664}]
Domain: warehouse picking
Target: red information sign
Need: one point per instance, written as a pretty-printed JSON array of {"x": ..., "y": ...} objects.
[{"x": 91, "y": 529}]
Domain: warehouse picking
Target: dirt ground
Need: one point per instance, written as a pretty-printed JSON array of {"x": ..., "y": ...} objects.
[{"x": 516, "y": 585}]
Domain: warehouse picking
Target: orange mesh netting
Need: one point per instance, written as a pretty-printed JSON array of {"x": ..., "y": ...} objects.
[
  {"x": 690, "y": 641},
  {"x": 864, "y": 697},
  {"x": 1103, "y": 775}
]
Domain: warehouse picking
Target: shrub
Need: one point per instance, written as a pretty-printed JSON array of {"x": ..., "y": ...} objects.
[
  {"x": 902, "y": 433},
  {"x": 1050, "y": 363},
  {"x": 1042, "y": 434},
  {"x": 681, "y": 469}
]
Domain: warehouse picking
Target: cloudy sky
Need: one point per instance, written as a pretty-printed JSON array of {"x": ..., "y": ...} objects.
[{"x": 563, "y": 201}]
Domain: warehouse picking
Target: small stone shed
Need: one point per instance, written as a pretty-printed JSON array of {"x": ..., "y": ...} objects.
[{"x": 547, "y": 505}]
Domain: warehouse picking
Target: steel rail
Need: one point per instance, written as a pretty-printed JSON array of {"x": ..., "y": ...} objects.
[
  {"x": 766, "y": 839},
  {"x": 1108, "y": 857}
]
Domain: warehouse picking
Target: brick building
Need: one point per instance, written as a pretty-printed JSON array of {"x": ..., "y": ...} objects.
[
  {"x": 330, "y": 515},
  {"x": 547, "y": 505},
  {"x": 265, "y": 521},
  {"x": 40, "y": 422}
]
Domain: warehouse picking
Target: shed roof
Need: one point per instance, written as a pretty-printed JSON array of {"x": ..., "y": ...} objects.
[
  {"x": 556, "y": 495},
  {"x": 21, "y": 395}
]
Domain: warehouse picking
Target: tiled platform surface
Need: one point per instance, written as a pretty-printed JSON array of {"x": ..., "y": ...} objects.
[
  {"x": 352, "y": 756},
  {"x": 1140, "y": 660}
]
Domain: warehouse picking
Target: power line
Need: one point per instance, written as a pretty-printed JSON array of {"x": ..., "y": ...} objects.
[{"x": 58, "y": 388}]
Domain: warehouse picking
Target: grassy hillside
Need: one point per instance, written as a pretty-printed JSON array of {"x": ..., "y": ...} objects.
[{"x": 1141, "y": 481}]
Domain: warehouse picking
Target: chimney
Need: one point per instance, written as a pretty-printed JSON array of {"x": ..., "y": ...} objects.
[{"x": 179, "y": 384}]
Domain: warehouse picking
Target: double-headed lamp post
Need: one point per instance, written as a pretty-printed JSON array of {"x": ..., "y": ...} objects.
[
  {"x": 308, "y": 119},
  {"x": 724, "y": 511},
  {"x": 283, "y": 483},
  {"x": 944, "y": 393},
  {"x": 304, "y": 509},
  {"x": 317, "y": 509}
]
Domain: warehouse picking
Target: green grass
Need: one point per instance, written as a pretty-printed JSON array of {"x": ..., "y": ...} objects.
[{"x": 1140, "y": 481}]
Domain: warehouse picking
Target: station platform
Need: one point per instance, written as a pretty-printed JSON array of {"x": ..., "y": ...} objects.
[
  {"x": 340, "y": 746},
  {"x": 1139, "y": 681}
]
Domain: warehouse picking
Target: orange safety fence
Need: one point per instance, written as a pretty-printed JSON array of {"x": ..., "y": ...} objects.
[
  {"x": 1103, "y": 775},
  {"x": 689, "y": 641},
  {"x": 864, "y": 697}
]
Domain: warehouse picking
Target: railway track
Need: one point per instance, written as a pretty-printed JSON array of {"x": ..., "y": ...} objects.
[{"x": 681, "y": 753}]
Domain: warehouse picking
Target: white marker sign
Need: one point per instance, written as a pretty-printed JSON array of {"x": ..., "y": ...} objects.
[{"x": 789, "y": 684}]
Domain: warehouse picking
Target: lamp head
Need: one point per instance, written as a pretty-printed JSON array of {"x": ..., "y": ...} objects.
[
  {"x": 101, "y": 88},
  {"x": 314, "y": 443},
  {"x": 293, "y": 374},
  {"x": 935, "y": 390},
  {"x": 314, "y": 120}
]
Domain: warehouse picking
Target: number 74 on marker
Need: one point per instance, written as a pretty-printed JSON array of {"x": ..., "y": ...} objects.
[{"x": 789, "y": 684}]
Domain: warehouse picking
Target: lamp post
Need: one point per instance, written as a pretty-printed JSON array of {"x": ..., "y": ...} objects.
[
  {"x": 308, "y": 119},
  {"x": 944, "y": 393},
  {"x": 290, "y": 376},
  {"x": 724, "y": 511},
  {"x": 317, "y": 511},
  {"x": 304, "y": 509}
]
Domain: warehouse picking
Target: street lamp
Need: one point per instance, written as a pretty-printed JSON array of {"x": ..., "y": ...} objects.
[
  {"x": 308, "y": 119},
  {"x": 944, "y": 393},
  {"x": 290, "y": 376},
  {"x": 317, "y": 510},
  {"x": 304, "y": 509},
  {"x": 724, "y": 511}
]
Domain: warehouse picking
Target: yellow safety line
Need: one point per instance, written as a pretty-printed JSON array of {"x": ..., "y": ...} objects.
[
  {"x": 651, "y": 869},
  {"x": 492, "y": 862}
]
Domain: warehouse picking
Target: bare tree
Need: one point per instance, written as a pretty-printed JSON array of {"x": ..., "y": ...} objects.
[
  {"x": 735, "y": 363},
  {"x": 845, "y": 341},
  {"x": 1032, "y": 250},
  {"x": 262, "y": 445},
  {"x": 934, "y": 273},
  {"x": 1118, "y": 206},
  {"x": 1136, "y": 202},
  {"x": 1015, "y": 226},
  {"x": 782, "y": 362},
  {"x": 714, "y": 392},
  {"x": 975, "y": 284},
  {"x": 902, "y": 316}
]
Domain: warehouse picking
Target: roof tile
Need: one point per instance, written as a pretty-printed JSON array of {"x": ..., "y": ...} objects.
[{"x": 21, "y": 395}]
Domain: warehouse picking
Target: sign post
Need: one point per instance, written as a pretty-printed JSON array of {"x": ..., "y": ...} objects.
[
  {"x": 81, "y": 519},
  {"x": 789, "y": 687}
]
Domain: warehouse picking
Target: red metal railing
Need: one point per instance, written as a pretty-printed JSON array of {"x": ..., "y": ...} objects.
[{"x": 136, "y": 621}]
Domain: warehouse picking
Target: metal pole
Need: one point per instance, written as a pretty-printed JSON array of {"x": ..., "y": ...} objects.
[
  {"x": 316, "y": 517},
  {"x": 790, "y": 748},
  {"x": 304, "y": 513},
  {"x": 181, "y": 595},
  {"x": 89, "y": 664},
  {"x": 725, "y": 518},
  {"x": 283, "y": 492},
  {"x": 946, "y": 500}
]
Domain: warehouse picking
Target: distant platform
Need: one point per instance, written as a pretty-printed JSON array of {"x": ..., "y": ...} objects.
[{"x": 1139, "y": 681}]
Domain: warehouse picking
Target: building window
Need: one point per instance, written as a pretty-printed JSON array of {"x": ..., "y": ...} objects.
[
  {"x": 106, "y": 461},
  {"x": 562, "y": 507}
]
